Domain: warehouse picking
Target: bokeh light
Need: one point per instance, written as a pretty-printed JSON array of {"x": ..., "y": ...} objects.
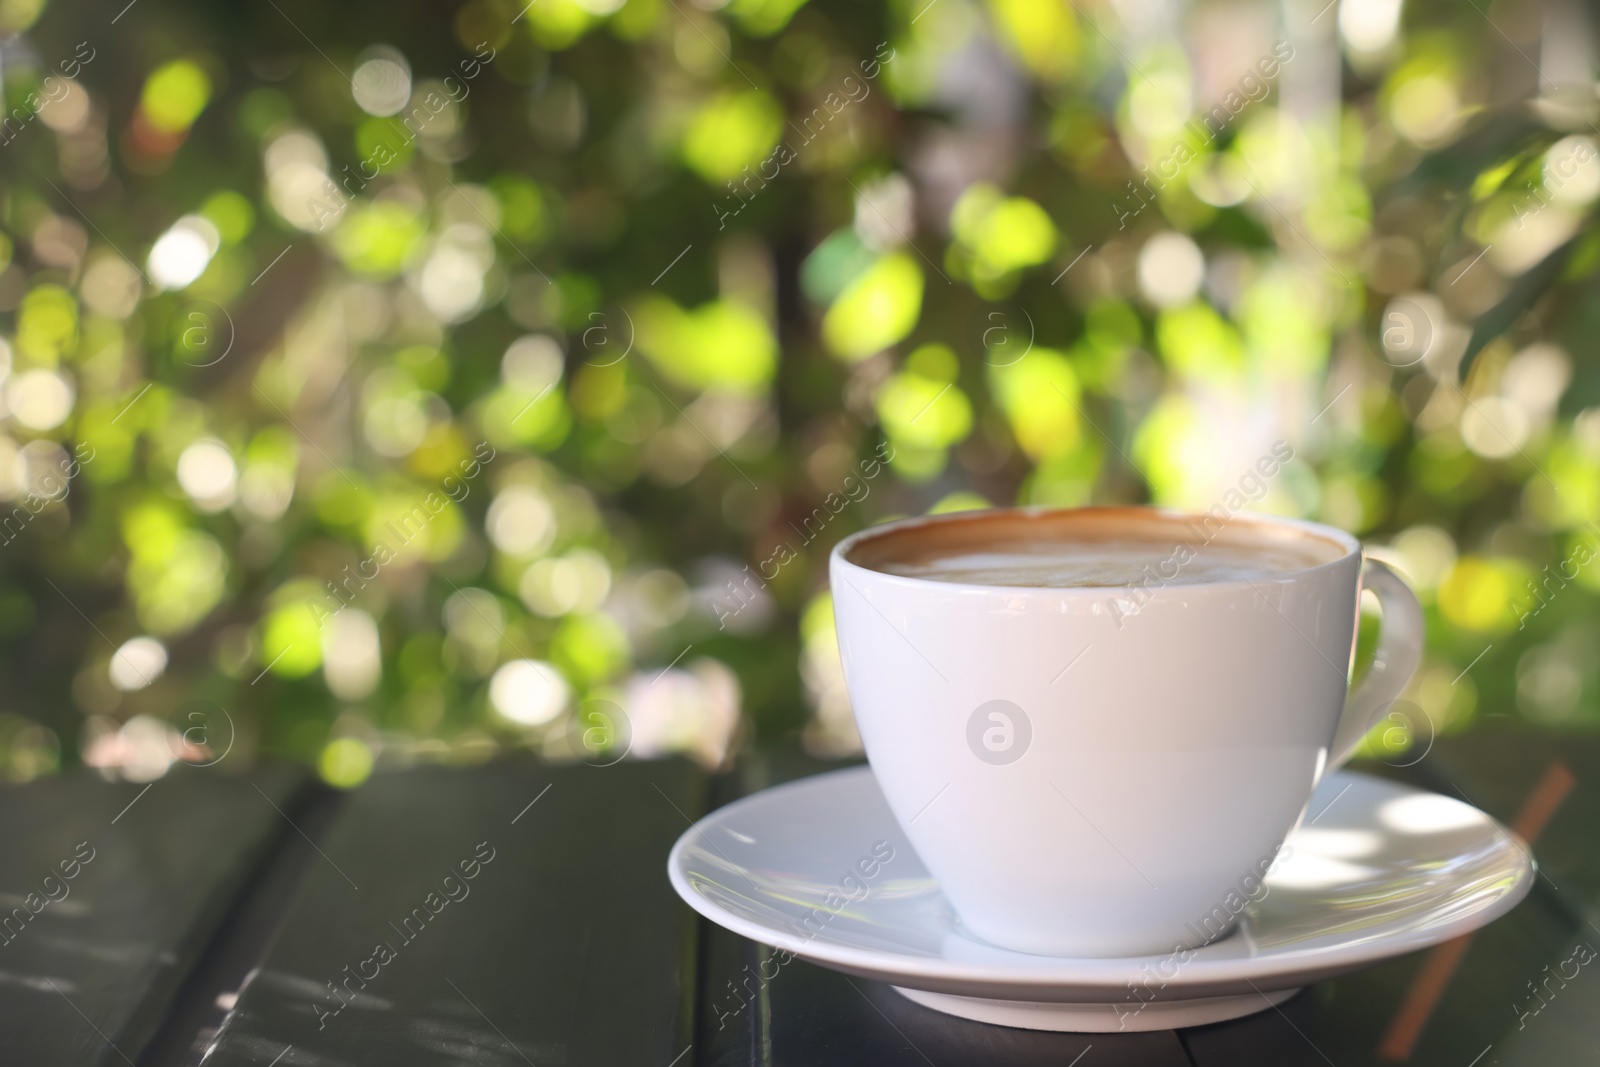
[
  {"x": 382, "y": 82},
  {"x": 137, "y": 662},
  {"x": 181, "y": 255},
  {"x": 1171, "y": 269},
  {"x": 39, "y": 399},
  {"x": 528, "y": 692},
  {"x": 207, "y": 473}
]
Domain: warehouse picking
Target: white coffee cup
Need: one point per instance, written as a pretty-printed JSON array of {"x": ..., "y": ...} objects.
[{"x": 1094, "y": 776}]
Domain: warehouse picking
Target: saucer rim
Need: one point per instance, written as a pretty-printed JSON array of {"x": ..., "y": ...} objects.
[{"x": 1092, "y": 976}]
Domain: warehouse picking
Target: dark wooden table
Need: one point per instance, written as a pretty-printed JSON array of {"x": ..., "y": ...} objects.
[{"x": 520, "y": 914}]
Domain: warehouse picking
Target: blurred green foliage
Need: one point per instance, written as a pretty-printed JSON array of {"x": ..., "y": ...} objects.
[{"x": 409, "y": 385}]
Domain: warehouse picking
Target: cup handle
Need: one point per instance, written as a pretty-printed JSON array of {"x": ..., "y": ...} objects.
[{"x": 1399, "y": 652}]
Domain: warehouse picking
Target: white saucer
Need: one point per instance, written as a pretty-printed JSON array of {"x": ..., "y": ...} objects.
[{"x": 1375, "y": 870}]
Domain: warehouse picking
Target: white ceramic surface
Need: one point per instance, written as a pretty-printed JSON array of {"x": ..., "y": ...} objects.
[
  {"x": 1087, "y": 769},
  {"x": 820, "y": 870}
]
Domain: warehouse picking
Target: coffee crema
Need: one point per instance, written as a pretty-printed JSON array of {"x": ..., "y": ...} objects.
[{"x": 1099, "y": 548}]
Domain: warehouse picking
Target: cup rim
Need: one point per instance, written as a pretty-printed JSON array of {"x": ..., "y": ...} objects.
[{"x": 838, "y": 557}]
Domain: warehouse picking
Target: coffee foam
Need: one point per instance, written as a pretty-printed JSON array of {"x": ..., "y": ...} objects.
[{"x": 1103, "y": 548}]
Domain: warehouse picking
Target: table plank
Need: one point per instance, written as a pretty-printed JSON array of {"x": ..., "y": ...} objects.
[
  {"x": 111, "y": 892},
  {"x": 202, "y": 1004},
  {"x": 505, "y": 914}
]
